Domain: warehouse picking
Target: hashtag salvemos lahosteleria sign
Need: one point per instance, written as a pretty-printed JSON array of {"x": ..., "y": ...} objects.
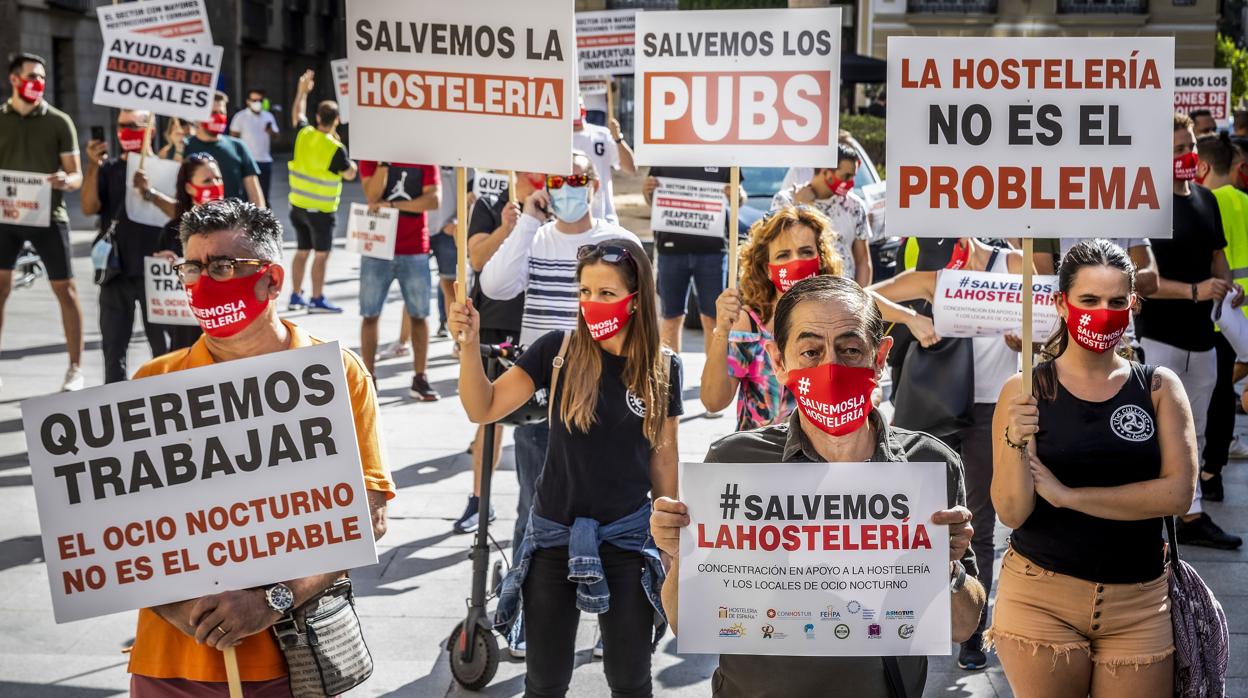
[{"x": 814, "y": 559}]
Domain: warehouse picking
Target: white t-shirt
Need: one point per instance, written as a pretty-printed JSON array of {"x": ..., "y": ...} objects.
[
  {"x": 597, "y": 143},
  {"x": 849, "y": 220},
  {"x": 995, "y": 361},
  {"x": 250, "y": 128}
]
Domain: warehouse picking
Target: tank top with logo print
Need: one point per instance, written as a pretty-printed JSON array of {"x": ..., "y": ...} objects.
[{"x": 1097, "y": 444}]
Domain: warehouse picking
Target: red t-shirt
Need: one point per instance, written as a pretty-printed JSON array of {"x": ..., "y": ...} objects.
[{"x": 405, "y": 182}]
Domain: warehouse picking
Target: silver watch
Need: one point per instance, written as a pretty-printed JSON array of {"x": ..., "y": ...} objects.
[
  {"x": 957, "y": 578},
  {"x": 280, "y": 598}
]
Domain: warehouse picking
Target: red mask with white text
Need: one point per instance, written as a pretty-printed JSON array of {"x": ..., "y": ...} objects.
[
  {"x": 216, "y": 125},
  {"x": 130, "y": 139},
  {"x": 835, "y": 398},
  {"x": 225, "y": 308},
  {"x": 789, "y": 273},
  {"x": 839, "y": 187},
  {"x": 1185, "y": 167},
  {"x": 32, "y": 90},
  {"x": 212, "y": 192},
  {"x": 605, "y": 320},
  {"x": 961, "y": 255},
  {"x": 1097, "y": 330}
]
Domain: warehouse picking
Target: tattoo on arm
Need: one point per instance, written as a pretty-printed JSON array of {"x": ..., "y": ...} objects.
[{"x": 1156, "y": 382}]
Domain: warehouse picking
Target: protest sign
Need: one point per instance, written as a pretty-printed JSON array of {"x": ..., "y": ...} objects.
[
  {"x": 1203, "y": 89},
  {"x": 25, "y": 199},
  {"x": 163, "y": 176},
  {"x": 687, "y": 206},
  {"x": 490, "y": 183},
  {"x": 738, "y": 87},
  {"x": 167, "y": 77},
  {"x": 195, "y": 482},
  {"x": 814, "y": 559},
  {"x": 342, "y": 88},
  {"x": 604, "y": 42},
  {"x": 875, "y": 195},
  {"x": 988, "y": 304},
  {"x": 1031, "y": 137},
  {"x": 593, "y": 88},
  {"x": 490, "y": 83},
  {"x": 166, "y": 298},
  {"x": 372, "y": 234},
  {"x": 186, "y": 20}
]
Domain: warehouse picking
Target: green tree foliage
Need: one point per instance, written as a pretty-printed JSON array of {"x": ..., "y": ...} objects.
[
  {"x": 869, "y": 131},
  {"x": 1228, "y": 54}
]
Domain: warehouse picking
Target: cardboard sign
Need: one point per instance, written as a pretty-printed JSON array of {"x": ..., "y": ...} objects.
[
  {"x": 1203, "y": 89},
  {"x": 1034, "y": 137},
  {"x": 738, "y": 87},
  {"x": 688, "y": 206},
  {"x": 163, "y": 175},
  {"x": 186, "y": 20},
  {"x": 342, "y": 88},
  {"x": 604, "y": 42},
  {"x": 25, "y": 199},
  {"x": 490, "y": 183},
  {"x": 167, "y": 77},
  {"x": 166, "y": 297},
  {"x": 987, "y": 304},
  {"x": 224, "y": 477},
  {"x": 814, "y": 559},
  {"x": 489, "y": 83},
  {"x": 372, "y": 234}
]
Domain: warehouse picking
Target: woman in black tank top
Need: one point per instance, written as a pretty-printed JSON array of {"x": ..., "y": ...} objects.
[{"x": 1084, "y": 470}]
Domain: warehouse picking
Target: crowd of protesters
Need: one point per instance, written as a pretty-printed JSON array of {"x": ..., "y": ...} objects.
[{"x": 1085, "y": 492}]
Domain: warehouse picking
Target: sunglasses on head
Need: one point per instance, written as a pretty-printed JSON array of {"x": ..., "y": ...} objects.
[
  {"x": 572, "y": 180},
  {"x": 611, "y": 254},
  {"x": 800, "y": 207}
]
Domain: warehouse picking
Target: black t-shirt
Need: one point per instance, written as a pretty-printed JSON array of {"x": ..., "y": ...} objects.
[
  {"x": 604, "y": 473},
  {"x": 1187, "y": 258},
  {"x": 340, "y": 162},
  {"x": 171, "y": 237},
  {"x": 680, "y": 242},
  {"x": 134, "y": 241},
  {"x": 496, "y": 316}
]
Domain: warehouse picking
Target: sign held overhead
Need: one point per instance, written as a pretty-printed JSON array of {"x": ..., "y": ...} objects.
[
  {"x": 186, "y": 20},
  {"x": 1203, "y": 89},
  {"x": 167, "y": 77},
  {"x": 604, "y": 42}
]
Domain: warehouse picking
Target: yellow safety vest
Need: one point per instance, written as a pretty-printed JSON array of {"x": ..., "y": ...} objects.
[
  {"x": 312, "y": 186},
  {"x": 1233, "y": 206}
]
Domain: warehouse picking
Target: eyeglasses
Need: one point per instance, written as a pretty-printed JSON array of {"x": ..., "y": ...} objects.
[
  {"x": 611, "y": 254},
  {"x": 199, "y": 158},
  {"x": 219, "y": 269},
  {"x": 572, "y": 180}
]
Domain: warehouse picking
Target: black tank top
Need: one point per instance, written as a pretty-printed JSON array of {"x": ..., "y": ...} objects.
[{"x": 1097, "y": 444}]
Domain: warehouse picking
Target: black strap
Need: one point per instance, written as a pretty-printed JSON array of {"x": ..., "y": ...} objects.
[
  {"x": 892, "y": 672},
  {"x": 993, "y": 259},
  {"x": 1174, "y": 544}
]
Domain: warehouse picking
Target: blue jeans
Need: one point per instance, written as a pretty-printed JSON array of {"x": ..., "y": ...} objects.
[
  {"x": 531, "y": 442},
  {"x": 676, "y": 269},
  {"x": 412, "y": 273}
]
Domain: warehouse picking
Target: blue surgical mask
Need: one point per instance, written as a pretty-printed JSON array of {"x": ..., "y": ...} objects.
[{"x": 569, "y": 204}]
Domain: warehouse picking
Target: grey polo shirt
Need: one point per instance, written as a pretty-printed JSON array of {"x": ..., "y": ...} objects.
[{"x": 755, "y": 676}]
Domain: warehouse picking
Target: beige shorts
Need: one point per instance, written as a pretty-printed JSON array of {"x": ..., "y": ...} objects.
[{"x": 1116, "y": 624}]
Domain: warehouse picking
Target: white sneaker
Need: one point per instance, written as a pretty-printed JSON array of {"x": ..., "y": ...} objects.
[
  {"x": 393, "y": 350},
  {"x": 1238, "y": 450},
  {"x": 74, "y": 380}
]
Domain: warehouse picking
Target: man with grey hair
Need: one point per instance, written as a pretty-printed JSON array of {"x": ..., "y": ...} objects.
[{"x": 233, "y": 274}]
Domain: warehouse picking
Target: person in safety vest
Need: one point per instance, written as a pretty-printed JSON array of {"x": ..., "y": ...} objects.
[{"x": 316, "y": 173}]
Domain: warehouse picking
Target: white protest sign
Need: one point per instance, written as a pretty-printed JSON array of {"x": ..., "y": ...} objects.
[
  {"x": 814, "y": 559},
  {"x": 168, "y": 77},
  {"x": 342, "y": 88},
  {"x": 688, "y": 206},
  {"x": 988, "y": 304},
  {"x": 604, "y": 42},
  {"x": 372, "y": 234},
  {"x": 738, "y": 87},
  {"x": 488, "y": 83},
  {"x": 166, "y": 297},
  {"x": 1203, "y": 89},
  {"x": 166, "y": 19},
  {"x": 1039, "y": 137},
  {"x": 194, "y": 482},
  {"x": 163, "y": 175},
  {"x": 875, "y": 195},
  {"x": 490, "y": 183},
  {"x": 593, "y": 88},
  {"x": 25, "y": 199}
]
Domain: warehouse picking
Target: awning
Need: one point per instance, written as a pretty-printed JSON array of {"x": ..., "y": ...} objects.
[{"x": 856, "y": 68}]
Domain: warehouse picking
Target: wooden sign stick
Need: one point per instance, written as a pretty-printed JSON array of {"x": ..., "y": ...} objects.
[
  {"x": 1027, "y": 307},
  {"x": 461, "y": 234},
  {"x": 734, "y": 187},
  {"x": 231, "y": 673}
]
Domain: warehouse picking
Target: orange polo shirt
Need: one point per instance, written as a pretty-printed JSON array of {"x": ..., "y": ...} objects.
[{"x": 160, "y": 649}]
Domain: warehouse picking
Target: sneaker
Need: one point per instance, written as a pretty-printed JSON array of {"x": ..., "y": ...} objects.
[
  {"x": 393, "y": 350},
  {"x": 713, "y": 415},
  {"x": 442, "y": 331},
  {"x": 297, "y": 301},
  {"x": 972, "y": 657},
  {"x": 74, "y": 380},
  {"x": 1238, "y": 450},
  {"x": 1205, "y": 533},
  {"x": 468, "y": 521},
  {"x": 598, "y": 650},
  {"x": 320, "y": 305},
  {"x": 421, "y": 390},
  {"x": 1211, "y": 489},
  {"x": 517, "y": 645}
]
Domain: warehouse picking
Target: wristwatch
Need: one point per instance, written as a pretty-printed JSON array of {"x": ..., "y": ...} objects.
[
  {"x": 148, "y": 195},
  {"x": 957, "y": 577},
  {"x": 279, "y": 597}
]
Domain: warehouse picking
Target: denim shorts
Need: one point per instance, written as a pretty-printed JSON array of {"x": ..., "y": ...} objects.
[
  {"x": 676, "y": 269},
  {"x": 412, "y": 272},
  {"x": 445, "y": 254}
]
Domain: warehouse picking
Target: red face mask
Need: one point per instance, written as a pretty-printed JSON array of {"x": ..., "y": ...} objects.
[
  {"x": 605, "y": 320},
  {"x": 835, "y": 398},
  {"x": 1185, "y": 167},
  {"x": 789, "y": 273},
  {"x": 961, "y": 254},
  {"x": 212, "y": 192},
  {"x": 1241, "y": 177},
  {"x": 32, "y": 89},
  {"x": 579, "y": 121},
  {"x": 215, "y": 125},
  {"x": 225, "y": 308},
  {"x": 131, "y": 139},
  {"x": 537, "y": 181},
  {"x": 839, "y": 187},
  {"x": 1096, "y": 330}
]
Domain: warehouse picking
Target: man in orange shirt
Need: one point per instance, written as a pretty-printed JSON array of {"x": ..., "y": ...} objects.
[{"x": 233, "y": 274}]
